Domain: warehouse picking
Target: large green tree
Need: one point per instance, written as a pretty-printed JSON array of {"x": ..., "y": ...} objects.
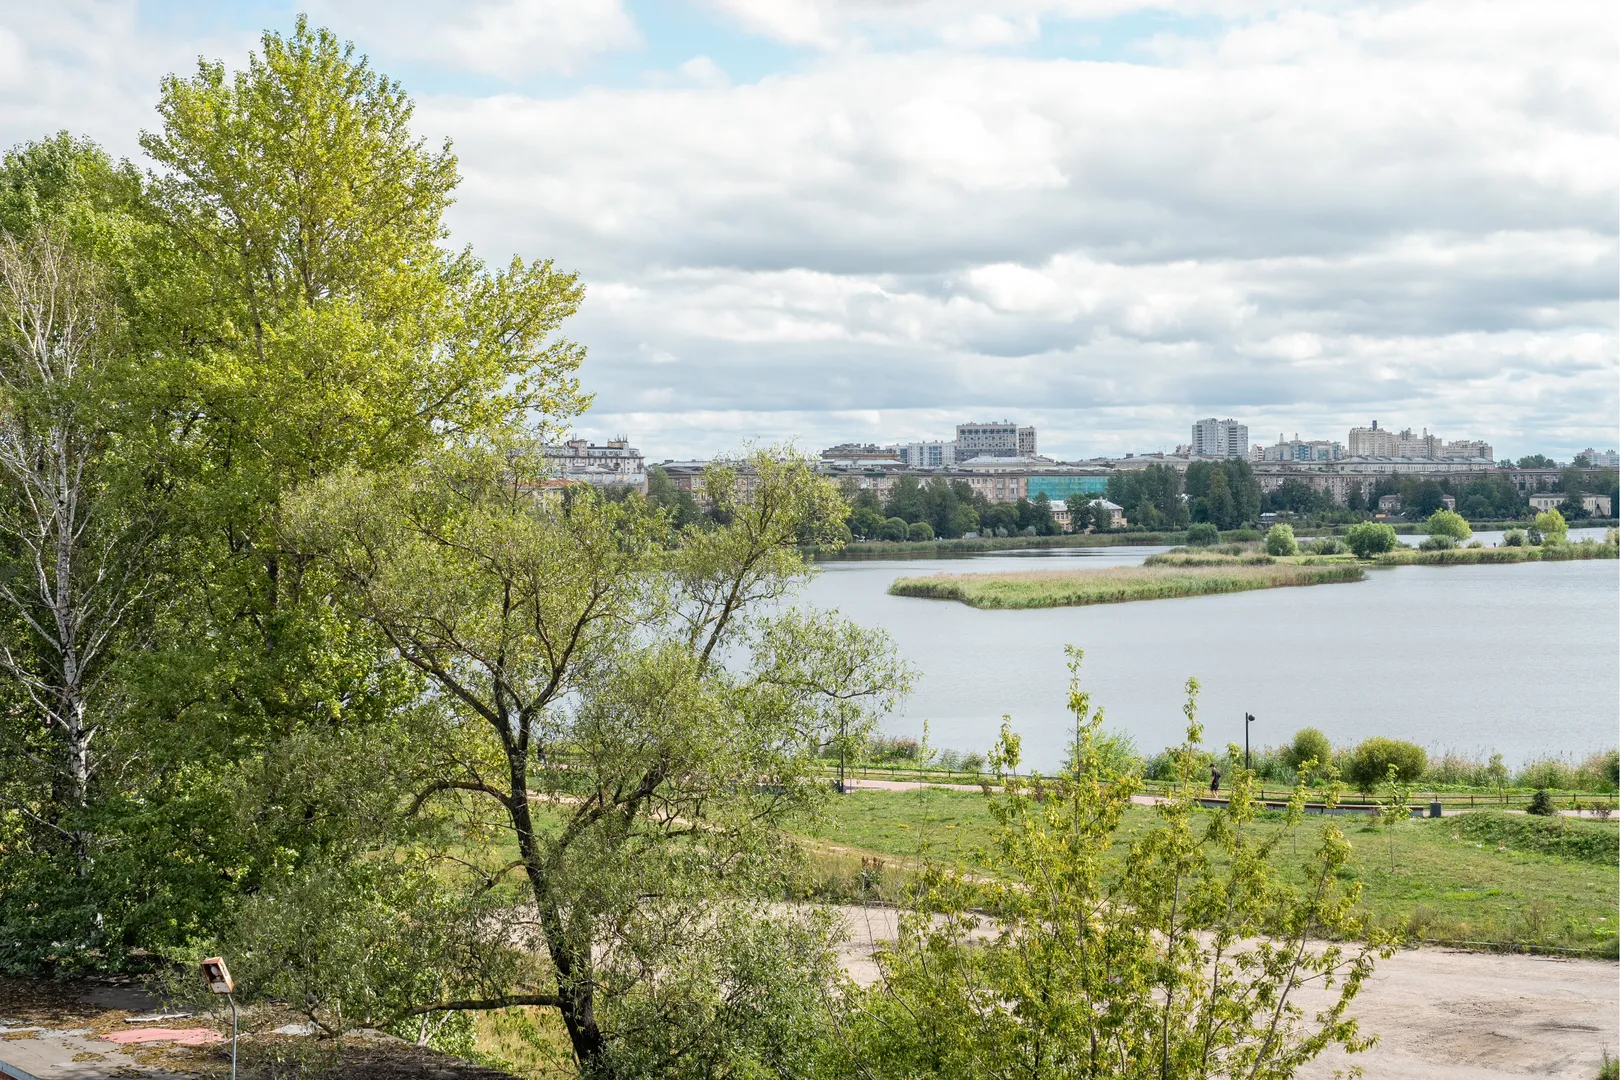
[{"x": 639, "y": 717}]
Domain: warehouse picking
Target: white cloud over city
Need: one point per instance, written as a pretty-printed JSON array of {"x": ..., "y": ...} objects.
[{"x": 938, "y": 211}]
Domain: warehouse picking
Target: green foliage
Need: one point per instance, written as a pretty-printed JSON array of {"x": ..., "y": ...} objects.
[
  {"x": 679, "y": 507},
  {"x": 920, "y": 532},
  {"x": 1184, "y": 962},
  {"x": 1552, "y": 527},
  {"x": 1308, "y": 744},
  {"x": 1224, "y": 493},
  {"x": 1513, "y": 538},
  {"x": 1441, "y": 542},
  {"x": 1202, "y": 534},
  {"x": 1371, "y": 761},
  {"x": 1537, "y": 461},
  {"x": 578, "y": 659},
  {"x": 1541, "y": 804},
  {"x": 1327, "y": 545},
  {"x": 1150, "y": 497},
  {"x": 895, "y": 529},
  {"x": 1587, "y": 841},
  {"x": 1280, "y": 540},
  {"x": 1448, "y": 523},
  {"x": 1369, "y": 538}
]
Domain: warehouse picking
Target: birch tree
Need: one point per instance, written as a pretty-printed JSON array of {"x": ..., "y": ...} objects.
[{"x": 72, "y": 577}]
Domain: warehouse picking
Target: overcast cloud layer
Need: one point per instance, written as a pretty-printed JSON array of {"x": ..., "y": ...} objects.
[{"x": 831, "y": 219}]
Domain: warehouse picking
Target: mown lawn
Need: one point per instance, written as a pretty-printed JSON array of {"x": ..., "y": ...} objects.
[{"x": 1445, "y": 886}]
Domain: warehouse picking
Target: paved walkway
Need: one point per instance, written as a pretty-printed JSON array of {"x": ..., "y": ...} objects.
[{"x": 1440, "y": 1014}]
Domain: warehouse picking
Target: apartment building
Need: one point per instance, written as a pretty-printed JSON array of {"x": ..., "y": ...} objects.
[
  {"x": 927, "y": 455},
  {"x": 613, "y": 464},
  {"x": 1297, "y": 449},
  {"x": 1005, "y": 439},
  {"x": 1375, "y": 441},
  {"x": 1214, "y": 438}
]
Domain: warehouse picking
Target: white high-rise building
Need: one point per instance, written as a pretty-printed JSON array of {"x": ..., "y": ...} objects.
[
  {"x": 928, "y": 455},
  {"x": 1220, "y": 439}
]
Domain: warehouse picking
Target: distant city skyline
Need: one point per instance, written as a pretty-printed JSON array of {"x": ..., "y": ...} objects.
[{"x": 825, "y": 220}]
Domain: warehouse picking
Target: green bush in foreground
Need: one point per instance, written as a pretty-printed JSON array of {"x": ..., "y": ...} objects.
[
  {"x": 1090, "y": 968},
  {"x": 1541, "y": 804},
  {"x": 1442, "y": 542},
  {"x": 920, "y": 532},
  {"x": 1280, "y": 540},
  {"x": 1370, "y": 762},
  {"x": 1513, "y": 538},
  {"x": 1369, "y": 538}
]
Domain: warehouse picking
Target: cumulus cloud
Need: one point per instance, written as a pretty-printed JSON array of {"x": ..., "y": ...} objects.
[
  {"x": 1300, "y": 215},
  {"x": 508, "y": 39}
]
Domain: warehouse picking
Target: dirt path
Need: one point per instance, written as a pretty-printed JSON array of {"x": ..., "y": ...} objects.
[{"x": 1439, "y": 1014}]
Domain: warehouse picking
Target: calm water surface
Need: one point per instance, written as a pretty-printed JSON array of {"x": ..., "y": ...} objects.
[{"x": 1522, "y": 659}]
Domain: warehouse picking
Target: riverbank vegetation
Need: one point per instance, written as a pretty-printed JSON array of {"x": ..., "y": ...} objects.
[{"x": 1064, "y": 588}]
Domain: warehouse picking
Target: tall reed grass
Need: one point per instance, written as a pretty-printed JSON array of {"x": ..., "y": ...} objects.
[{"x": 1065, "y": 588}]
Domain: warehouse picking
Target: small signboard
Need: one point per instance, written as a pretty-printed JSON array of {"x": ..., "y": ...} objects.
[{"x": 217, "y": 975}]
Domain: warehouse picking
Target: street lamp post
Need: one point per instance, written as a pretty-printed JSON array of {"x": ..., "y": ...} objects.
[{"x": 1248, "y": 718}]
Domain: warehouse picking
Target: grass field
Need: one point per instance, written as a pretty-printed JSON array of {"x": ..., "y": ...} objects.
[
  {"x": 1065, "y": 588},
  {"x": 1487, "y": 879}
]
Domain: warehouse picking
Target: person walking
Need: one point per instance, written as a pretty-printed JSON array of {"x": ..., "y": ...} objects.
[{"x": 1214, "y": 779}]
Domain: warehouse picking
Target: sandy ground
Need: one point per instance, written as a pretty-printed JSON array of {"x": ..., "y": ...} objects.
[{"x": 1440, "y": 1014}]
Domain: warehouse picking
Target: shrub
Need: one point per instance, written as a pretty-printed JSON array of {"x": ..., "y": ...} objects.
[
  {"x": 1449, "y": 523},
  {"x": 1600, "y": 771},
  {"x": 1370, "y": 761},
  {"x": 1308, "y": 744},
  {"x": 1438, "y": 543},
  {"x": 1280, "y": 540},
  {"x": 1370, "y": 538},
  {"x": 1513, "y": 538},
  {"x": 1203, "y": 534},
  {"x": 973, "y": 762},
  {"x": 1476, "y": 543},
  {"x": 895, "y": 529},
  {"x": 919, "y": 532},
  {"x": 1552, "y": 526},
  {"x": 1533, "y": 536},
  {"x": 1328, "y": 545},
  {"x": 1541, "y": 805},
  {"x": 884, "y": 748},
  {"x": 1552, "y": 773}
]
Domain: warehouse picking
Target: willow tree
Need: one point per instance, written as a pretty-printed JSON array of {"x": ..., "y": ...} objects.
[{"x": 636, "y": 711}]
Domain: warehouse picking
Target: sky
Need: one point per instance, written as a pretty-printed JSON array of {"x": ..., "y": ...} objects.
[{"x": 828, "y": 220}]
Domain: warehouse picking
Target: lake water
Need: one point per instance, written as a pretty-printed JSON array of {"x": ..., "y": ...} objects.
[{"x": 1522, "y": 659}]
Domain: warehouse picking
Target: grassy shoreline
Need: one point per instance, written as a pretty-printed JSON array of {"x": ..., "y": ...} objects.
[
  {"x": 1483, "y": 880},
  {"x": 1069, "y": 588},
  {"x": 1464, "y": 556}
]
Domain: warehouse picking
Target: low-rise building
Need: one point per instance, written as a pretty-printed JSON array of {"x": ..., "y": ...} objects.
[
  {"x": 1596, "y": 505},
  {"x": 1116, "y": 513}
]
